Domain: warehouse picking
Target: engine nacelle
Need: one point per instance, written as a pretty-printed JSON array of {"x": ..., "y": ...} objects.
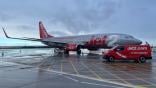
[
  {"x": 71, "y": 47},
  {"x": 92, "y": 49}
]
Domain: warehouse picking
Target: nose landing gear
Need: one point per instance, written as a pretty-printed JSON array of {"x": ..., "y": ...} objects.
[
  {"x": 78, "y": 51},
  {"x": 66, "y": 52}
]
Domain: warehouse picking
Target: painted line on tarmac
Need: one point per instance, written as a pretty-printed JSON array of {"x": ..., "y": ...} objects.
[
  {"x": 96, "y": 84},
  {"x": 50, "y": 65},
  {"x": 80, "y": 76},
  {"x": 43, "y": 62},
  {"x": 75, "y": 80},
  {"x": 114, "y": 75},
  {"x": 140, "y": 78},
  {"x": 93, "y": 72},
  {"x": 74, "y": 67},
  {"x": 90, "y": 83},
  {"x": 91, "y": 78}
]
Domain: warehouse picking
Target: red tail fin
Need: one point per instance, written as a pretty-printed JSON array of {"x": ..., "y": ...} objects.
[{"x": 43, "y": 32}]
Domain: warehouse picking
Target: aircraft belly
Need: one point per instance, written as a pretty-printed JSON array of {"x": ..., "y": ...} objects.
[{"x": 53, "y": 44}]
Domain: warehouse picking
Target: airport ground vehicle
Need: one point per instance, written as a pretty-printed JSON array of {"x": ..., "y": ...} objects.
[{"x": 139, "y": 53}]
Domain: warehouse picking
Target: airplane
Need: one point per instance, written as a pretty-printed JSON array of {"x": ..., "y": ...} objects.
[{"x": 76, "y": 43}]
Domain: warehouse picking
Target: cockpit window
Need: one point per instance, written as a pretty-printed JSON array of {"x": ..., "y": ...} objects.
[{"x": 129, "y": 37}]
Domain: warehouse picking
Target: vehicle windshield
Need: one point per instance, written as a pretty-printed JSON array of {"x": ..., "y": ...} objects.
[
  {"x": 114, "y": 47},
  {"x": 118, "y": 48}
]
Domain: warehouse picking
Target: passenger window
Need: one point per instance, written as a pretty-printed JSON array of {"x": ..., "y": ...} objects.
[{"x": 121, "y": 48}]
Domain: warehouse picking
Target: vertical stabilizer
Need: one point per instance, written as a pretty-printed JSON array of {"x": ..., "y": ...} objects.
[{"x": 43, "y": 32}]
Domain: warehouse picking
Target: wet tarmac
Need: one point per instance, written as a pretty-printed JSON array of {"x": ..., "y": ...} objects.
[{"x": 85, "y": 71}]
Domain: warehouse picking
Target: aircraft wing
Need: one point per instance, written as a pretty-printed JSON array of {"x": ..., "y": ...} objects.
[
  {"x": 61, "y": 42},
  {"x": 24, "y": 38},
  {"x": 31, "y": 39},
  {"x": 23, "y": 47}
]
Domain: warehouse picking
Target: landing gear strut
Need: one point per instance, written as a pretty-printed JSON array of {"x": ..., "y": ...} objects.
[
  {"x": 57, "y": 51},
  {"x": 66, "y": 52},
  {"x": 78, "y": 50}
]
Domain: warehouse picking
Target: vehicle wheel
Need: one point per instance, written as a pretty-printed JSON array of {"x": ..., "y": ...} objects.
[
  {"x": 111, "y": 59},
  {"x": 142, "y": 59}
]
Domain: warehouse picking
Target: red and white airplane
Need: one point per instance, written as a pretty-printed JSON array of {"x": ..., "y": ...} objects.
[{"x": 76, "y": 43}]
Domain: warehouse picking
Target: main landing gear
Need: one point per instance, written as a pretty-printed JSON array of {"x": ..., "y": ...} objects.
[
  {"x": 66, "y": 52},
  {"x": 57, "y": 51},
  {"x": 78, "y": 51}
]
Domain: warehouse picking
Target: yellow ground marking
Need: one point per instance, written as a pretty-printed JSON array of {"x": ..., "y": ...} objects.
[
  {"x": 118, "y": 77},
  {"x": 93, "y": 72},
  {"x": 140, "y": 79},
  {"x": 74, "y": 67}
]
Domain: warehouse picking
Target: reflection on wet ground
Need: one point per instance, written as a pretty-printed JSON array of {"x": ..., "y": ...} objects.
[{"x": 88, "y": 70}]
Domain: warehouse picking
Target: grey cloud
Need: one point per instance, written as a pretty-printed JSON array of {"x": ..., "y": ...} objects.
[
  {"x": 85, "y": 15},
  {"x": 81, "y": 16},
  {"x": 5, "y": 17},
  {"x": 74, "y": 15},
  {"x": 25, "y": 27},
  {"x": 58, "y": 33}
]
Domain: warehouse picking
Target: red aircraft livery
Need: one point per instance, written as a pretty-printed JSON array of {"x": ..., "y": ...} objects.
[{"x": 76, "y": 43}]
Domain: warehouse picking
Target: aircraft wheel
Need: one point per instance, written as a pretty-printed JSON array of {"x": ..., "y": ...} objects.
[
  {"x": 142, "y": 59},
  {"x": 78, "y": 49},
  {"x": 79, "y": 52},
  {"x": 66, "y": 52}
]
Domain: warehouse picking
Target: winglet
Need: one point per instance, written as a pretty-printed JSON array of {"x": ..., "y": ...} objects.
[{"x": 5, "y": 32}]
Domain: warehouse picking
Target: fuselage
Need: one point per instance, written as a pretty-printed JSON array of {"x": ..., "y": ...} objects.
[
  {"x": 75, "y": 43},
  {"x": 94, "y": 41}
]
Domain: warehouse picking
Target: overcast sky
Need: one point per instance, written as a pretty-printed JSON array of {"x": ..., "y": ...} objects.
[{"x": 76, "y": 17}]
